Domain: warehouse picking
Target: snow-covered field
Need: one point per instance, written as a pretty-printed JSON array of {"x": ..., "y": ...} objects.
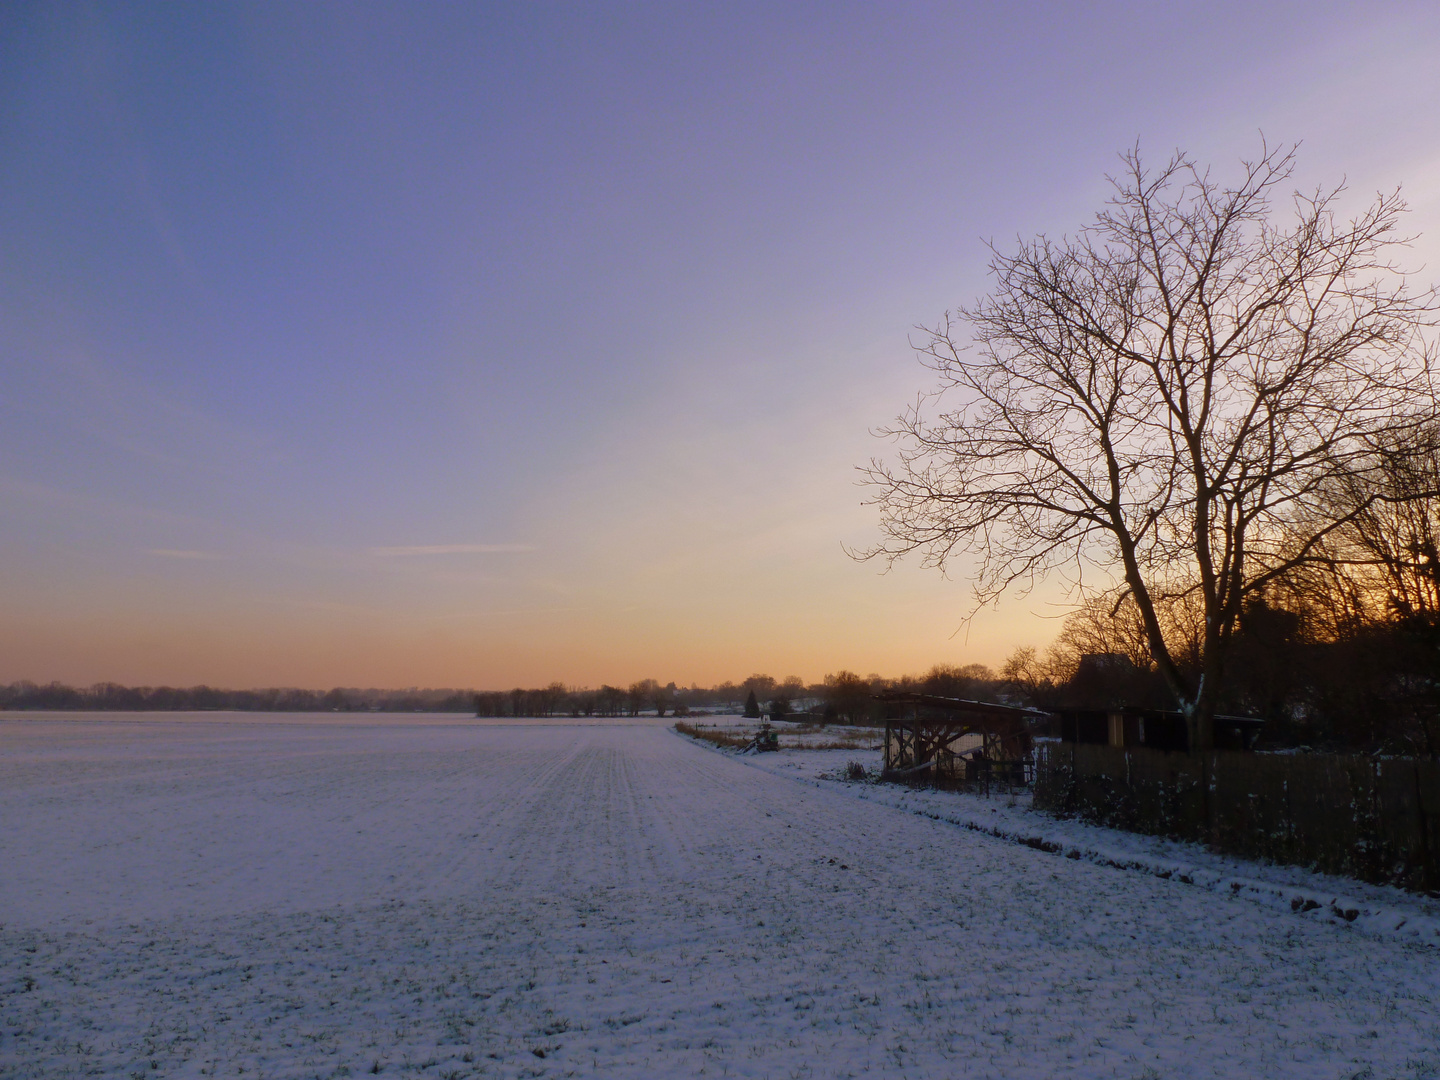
[{"x": 229, "y": 897}]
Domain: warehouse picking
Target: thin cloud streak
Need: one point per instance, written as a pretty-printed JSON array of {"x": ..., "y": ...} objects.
[
  {"x": 176, "y": 553},
  {"x": 451, "y": 549}
]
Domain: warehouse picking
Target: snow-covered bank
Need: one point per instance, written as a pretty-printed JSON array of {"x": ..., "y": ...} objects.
[
  {"x": 1372, "y": 909},
  {"x": 545, "y": 901}
]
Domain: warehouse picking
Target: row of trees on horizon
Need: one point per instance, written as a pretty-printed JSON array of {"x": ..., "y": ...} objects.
[
  {"x": 840, "y": 695},
  {"x": 113, "y": 697}
]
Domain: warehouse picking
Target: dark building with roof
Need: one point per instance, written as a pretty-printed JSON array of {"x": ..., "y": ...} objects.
[{"x": 1157, "y": 729}]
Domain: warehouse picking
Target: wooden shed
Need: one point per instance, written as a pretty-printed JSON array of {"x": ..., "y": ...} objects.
[
  {"x": 954, "y": 740},
  {"x": 1158, "y": 729}
]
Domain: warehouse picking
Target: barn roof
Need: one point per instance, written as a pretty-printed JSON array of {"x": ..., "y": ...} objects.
[{"x": 959, "y": 705}]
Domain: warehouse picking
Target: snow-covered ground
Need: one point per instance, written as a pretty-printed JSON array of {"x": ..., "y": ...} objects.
[
  {"x": 238, "y": 898},
  {"x": 1372, "y": 910}
]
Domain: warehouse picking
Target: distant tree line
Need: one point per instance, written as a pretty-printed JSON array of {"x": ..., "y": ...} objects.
[
  {"x": 840, "y": 697},
  {"x": 114, "y": 697}
]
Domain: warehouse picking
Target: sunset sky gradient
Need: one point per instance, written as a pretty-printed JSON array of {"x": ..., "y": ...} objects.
[{"x": 485, "y": 345}]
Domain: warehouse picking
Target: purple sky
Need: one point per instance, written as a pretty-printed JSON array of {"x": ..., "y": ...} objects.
[{"x": 487, "y": 345}]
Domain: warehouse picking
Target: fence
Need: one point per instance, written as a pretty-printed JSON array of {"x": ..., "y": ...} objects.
[{"x": 1377, "y": 820}]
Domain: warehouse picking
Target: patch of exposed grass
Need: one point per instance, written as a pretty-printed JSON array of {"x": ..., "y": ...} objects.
[
  {"x": 734, "y": 738},
  {"x": 726, "y": 737},
  {"x": 840, "y": 740}
]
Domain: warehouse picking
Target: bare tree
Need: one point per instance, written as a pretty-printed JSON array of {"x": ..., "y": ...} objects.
[
  {"x": 1156, "y": 405},
  {"x": 760, "y": 685},
  {"x": 1389, "y": 552},
  {"x": 1098, "y": 627},
  {"x": 847, "y": 695},
  {"x": 1024, "y": 670},
  {"x": 640, "y": 694},
  {"x": 662, "y": 697}
]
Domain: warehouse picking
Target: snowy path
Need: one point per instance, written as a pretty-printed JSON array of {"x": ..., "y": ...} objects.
[{"x": 244, "y": 899}]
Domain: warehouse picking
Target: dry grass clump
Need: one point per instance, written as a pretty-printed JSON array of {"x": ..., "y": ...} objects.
[{"x": 719, "y": 736}]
